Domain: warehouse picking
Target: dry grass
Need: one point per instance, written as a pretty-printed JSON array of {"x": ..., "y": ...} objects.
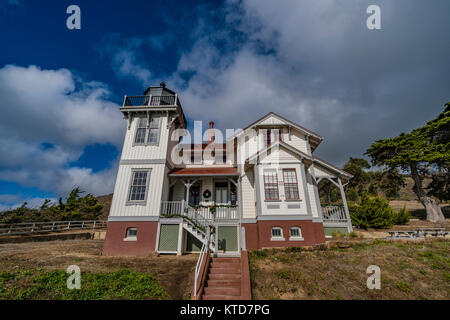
[
  {"x": 413, "y": 270},
  {"x": 173, "y": 273}
]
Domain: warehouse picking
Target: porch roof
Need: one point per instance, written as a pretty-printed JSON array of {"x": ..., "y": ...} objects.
[{"x": 195, "y": 172}]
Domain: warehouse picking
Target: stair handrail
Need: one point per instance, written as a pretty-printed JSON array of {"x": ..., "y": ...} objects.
[
  {"x": 203, "y": 252},
  {"x": 197, "y": 217}
]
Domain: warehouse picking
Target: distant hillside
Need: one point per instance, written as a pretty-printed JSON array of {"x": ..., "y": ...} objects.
[
  {"x": 106, "y": 202},
  {"x": 407, "y": 193}
]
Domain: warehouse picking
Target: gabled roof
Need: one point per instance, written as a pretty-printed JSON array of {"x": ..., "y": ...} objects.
[
  {"x": 301, "y": 128},
  {"x": 316, "y": 137},
  {"x": 331, "y": 167}
]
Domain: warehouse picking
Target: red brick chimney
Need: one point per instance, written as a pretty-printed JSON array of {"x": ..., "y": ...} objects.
[{"x": 211, "y": 136}]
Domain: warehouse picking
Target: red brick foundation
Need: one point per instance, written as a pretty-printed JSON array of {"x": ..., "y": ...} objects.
[
  {"x": 258, "y": 234},
  {"x": 116, "y": 232}
]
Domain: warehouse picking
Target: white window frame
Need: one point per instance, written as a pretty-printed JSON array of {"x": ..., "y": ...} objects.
[
  {"x": 128, "y": 237},
  {"x": 138, "y": 127},
  {"x": 276, "y": 238},
  {"x": 130, "y": 202},
  {"x": 150, "y": 126},
  {"x": 295, "y": 238},
  {"x": 274, "y": 174}
]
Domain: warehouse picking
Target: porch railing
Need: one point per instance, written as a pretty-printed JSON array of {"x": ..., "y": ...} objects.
[
  {"x": 138, "y": 101},
  {"x": 222, "y": 213},
  {"x": 334, "y": 214},
  {"x": 199, "y": 213},
  {"x": 172, "y": 207}
]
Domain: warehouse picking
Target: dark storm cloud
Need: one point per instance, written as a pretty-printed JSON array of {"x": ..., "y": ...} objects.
[{"x": 322, "y": 67}]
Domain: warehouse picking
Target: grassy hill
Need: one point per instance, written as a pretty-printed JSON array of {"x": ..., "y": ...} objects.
[{"x": 414, "y": 270}]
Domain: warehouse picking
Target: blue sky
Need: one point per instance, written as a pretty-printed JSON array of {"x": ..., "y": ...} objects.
[{"x": 314, "y": 62}]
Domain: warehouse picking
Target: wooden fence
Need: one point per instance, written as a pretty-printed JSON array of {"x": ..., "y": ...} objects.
[{"x": 46, "y": 227}]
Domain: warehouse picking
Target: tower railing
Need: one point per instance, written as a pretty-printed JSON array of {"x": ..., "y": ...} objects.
[{"x": 151, "y": 100}]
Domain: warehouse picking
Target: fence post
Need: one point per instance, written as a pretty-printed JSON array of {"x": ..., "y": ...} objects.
[
  {"x": 68, "y": 226},
  {"x": 10, "y": 228},
  {"x": 32, "y": 228},
  {"x": 94, "y": 225},
  {"x": 82, "y": 225}
]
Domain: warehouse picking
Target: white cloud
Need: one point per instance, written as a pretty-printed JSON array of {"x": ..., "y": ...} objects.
[{"x": 57, "y": 108}]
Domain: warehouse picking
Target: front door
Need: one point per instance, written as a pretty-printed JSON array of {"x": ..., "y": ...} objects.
[
  {"x": 194, "y": 194},
  {"x": 221, "y": 192}
]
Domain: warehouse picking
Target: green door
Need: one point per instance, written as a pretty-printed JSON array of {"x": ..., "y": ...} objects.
[
  {"x": 168, "y": 238},
  {"x": 228, "y": 238}
]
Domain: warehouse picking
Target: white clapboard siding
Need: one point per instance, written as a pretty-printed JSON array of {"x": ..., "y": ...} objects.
[
  {"x": 145, "y": 152},
  {"x": 298, "y": 141},
  {"x": 179, "y": 191},
  {"x": 119, "y": 207},
  {"x": 248, "y": 195},
  {"x": 312, "y": 195}
]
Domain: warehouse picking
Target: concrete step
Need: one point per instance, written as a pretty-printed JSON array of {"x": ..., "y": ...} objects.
[
  {"x": 227, "y": 260},
  {"x": 225, "y": 265},
  {"x": 226, "y": 291},
  {"x": 224, "y": 283},
  {"x": 215, "y": 270},
  {"x": 229, "y": 276},
  {"x": 220, "y": 297}
]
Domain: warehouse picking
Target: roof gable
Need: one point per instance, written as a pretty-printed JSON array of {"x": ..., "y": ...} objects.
[{"x": 275, "y": 119}]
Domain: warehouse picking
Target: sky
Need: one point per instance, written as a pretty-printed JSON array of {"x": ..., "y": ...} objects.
[{"x": 314, "y": 62}]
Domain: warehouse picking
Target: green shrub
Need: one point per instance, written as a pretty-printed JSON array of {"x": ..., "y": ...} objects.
[
  {"x": 352, "y": 235},
  {"x": 404, "y": 286},
  {"x": 402, "y": 217},
  {"x": 259, "y": 254},
  {"x": 372, "y": 213},
  {"x": 283, "y": 274}
]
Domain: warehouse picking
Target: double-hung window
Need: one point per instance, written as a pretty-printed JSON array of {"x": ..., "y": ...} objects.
[
  {"x": 141, "y": 131},
  {"x": 147, "y": 133},
  {"x": 271, "y": 185},
  {"x": 153, "y": 131},
  {"x": 139, "y": 185},
  {"x": 290, "y": 184}
]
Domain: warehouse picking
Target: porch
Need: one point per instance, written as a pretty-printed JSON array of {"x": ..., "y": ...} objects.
[
  {"x": 199, "y": 213},
  {"x": 210, "y": 193},
  {"x": 205, "y": 201}
]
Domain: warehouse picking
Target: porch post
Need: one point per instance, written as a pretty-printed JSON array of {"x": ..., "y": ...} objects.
[
  {"x": 180, "y": 240},
  {"x": 305, "y": 188},
  {"x": 344, "y": 201}
]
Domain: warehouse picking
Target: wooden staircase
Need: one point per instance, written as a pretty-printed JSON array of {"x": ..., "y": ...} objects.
[{"x": 224, "y": 280}]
